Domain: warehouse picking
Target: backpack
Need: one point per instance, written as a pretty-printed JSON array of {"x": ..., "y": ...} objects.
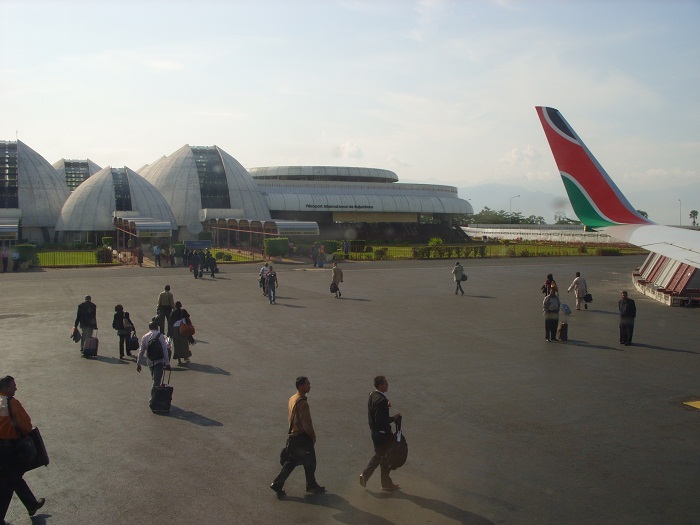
[{"x": 154, "y": 351}]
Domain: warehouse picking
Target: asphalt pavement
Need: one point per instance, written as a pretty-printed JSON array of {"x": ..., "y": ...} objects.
[{"x": 502, "y": 427}]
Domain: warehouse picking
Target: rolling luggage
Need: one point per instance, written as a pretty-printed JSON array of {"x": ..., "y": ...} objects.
[
  {"x": 161, "y": 397},
  {"x": 563, "y": 331},
  {"x": 91, "y": 345}
]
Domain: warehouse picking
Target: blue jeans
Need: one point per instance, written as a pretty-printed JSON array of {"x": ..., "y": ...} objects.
[{"x": 271, "y": 292}]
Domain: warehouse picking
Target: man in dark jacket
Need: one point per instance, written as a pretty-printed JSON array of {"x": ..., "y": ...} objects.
[
  {"x": 86, "y": 319},
  {"x": 380, "y": 425},
  {"x": 628, "y": 311}
]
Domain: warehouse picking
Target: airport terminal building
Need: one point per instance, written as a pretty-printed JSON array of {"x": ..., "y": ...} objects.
[{"x": 198, "y": 188}]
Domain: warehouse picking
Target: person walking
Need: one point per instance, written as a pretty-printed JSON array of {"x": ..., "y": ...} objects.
[
  {"x": 580, "y": 289},
  {"x": 628, "y": 311},
  {"x": 550, "y": 283},
  {"x": 155, "y": 360},
  {"x": 14, "y": 423},
  {"x": 262, "y": 276},
  {"x": 194, "y": 262},
  {"x": 380, "y": 425},
  {"x": 181, "y": 343},
  {"x": 272, "y": 284},
  {"x": 172, "y": 255},
  {"x": 5, "y": 259},
  {"x": 122, "y": 324},
  {"x": 314, "y": 254},
  {"x": 156, "y": 253},
  {"x": 166, "y": 303},
  {"x": 550, "y": 307},
  {"x": 211, "y": 265},
  {"x": 86, "y": 318},
  {"x": 337, "y": 275},
  {"x": 15, "y": 260},
  {"x": 457, "y": 273},
  {"x": 301, "y": 439}
]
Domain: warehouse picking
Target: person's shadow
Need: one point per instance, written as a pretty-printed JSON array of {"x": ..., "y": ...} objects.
[
  {"x": 439, "y": 507},
  {"x": 347, "y": 513},
  {"x": 198, "y": 367},
  {"x": 192, "y": 417}
]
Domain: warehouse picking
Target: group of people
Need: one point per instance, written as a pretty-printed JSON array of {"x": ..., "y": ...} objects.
[
  {"x": 552, "y": 305},
  {"x": 169, "y": 316},
  {"x": 167, "y": 253},
  {"x": 199, "y": 262},
  {"x": 301, "y": 438},
  {"x": 5, "y": 255},
  {"x": 267, "y": 280}
]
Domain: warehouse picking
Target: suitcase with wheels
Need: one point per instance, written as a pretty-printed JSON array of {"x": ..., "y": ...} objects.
[
  {"x": 91, "y": 345},
  {"x": 161, "y": 397},
  {"x": 563, "y": 331}
]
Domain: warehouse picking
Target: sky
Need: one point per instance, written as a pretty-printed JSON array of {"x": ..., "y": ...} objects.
[{"x": 440, "y": 92}]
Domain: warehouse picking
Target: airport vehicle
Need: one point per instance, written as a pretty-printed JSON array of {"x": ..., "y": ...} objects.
[{"x": 600, "y": 204}]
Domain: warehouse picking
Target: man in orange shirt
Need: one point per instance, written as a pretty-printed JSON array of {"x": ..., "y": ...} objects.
[
  {"x": 301, "y": 441},
  {"x": 10, "y": 471}
]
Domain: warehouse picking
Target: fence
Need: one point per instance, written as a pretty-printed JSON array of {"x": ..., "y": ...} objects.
[{"x": 378, "y": 253}]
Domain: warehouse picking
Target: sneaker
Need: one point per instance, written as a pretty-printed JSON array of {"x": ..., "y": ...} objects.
[
  {"x": 363, "y": 481},
  {"x": 39, "y": 503},
  {"x": 391, "y": 486},
  {"x": 316, "y": 489}
]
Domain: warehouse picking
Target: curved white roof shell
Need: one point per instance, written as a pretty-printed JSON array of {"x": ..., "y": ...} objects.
[
  {"x": 92, "y": 205},
  {"x": 375, "y": 197},
  {"x": 177, "y": 177},
  {"x": 41, "y": 191}
]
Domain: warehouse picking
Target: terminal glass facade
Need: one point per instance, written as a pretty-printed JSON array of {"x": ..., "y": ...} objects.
[
  {"x": 122, "y": 191},
  {"x": 9, "y": 196},
  {"x": 77, "y": 171},
  {"x": 212, "y": 178}
]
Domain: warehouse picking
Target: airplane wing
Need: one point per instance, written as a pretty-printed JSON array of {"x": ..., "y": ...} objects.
[{"x": 600, "y": 204}]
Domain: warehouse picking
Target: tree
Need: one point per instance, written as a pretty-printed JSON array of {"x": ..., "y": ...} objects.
[
  {"x": 561, "y": 218},
  {"x": 532, "y": 219},
  {"x": 694, "y": 215},
  {"x": 643, "y": 214}
]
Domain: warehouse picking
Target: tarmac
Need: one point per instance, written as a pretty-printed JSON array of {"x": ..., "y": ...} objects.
[{"x": 502, "y": 427}]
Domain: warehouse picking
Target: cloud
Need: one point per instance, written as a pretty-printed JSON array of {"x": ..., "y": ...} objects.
[{"x": 348, "y": 149}]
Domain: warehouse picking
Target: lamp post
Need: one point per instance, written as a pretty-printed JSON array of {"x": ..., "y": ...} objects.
[{"x": 510, "y": 209}]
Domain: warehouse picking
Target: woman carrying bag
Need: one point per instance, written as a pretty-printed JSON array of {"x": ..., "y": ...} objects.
[
  {"x": 181, "y": 340},
  {"x": 124, "y": 327}
]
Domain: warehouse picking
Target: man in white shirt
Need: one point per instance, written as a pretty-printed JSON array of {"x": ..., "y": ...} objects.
[
  {"x": 155, "y": 362},
  {"x": 579, "y": 286}
]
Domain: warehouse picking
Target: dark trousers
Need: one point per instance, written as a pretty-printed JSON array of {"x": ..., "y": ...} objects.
[
  {"x": 550, "y": 328},
  {"x": 459, "y": 287},
  {"x": 122, "y": 343},
  {"x": 11, "y": 481},
  {"x": 163, "y": 317},
  {"x": 626, "y": 330},
  {"x": 157, "y": 374},
  {"x": 301, "y": 452},
  {"x": 5, "y": 261},
  {"x": 381, "y": 445}
]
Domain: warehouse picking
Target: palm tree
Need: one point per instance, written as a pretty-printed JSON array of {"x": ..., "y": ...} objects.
[{"x": 694, "y": 215}]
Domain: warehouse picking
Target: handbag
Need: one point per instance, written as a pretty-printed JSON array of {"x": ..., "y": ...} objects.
[
  {"x": 30, "y": 450},
  {"x": 286, "y": 453},
  {"x": 464, "y": 277},
  {"x": 75, "y": 334},
  {"x": 186, "y": 328},
  {"x": 334, "y": 287},
  {"x": 397, "y": 451}
]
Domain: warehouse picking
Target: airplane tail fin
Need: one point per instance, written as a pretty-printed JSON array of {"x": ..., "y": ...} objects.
[{"x": 597, "y": 201}]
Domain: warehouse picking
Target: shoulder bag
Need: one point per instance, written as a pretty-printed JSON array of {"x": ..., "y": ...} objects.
[
  {"x": 30, "y": 449},
  {"x": 186, "y": 327}
]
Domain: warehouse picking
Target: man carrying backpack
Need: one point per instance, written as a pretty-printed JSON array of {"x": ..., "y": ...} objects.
[{"x": 156, "y": 351}]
